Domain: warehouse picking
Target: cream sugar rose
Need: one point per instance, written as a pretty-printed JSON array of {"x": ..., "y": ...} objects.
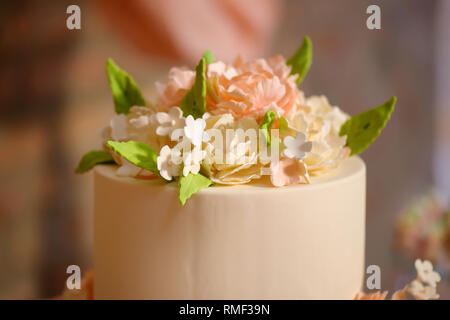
[{"x": 276, "y": 198}]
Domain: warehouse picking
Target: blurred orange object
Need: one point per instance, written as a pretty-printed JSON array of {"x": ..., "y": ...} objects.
[
  {"x": 85, "y": 293},
  {"x": 182, "y": 30}
]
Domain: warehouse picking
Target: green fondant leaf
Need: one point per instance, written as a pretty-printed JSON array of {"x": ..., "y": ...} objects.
[
  {"x": 138, "y": 153},
  {"x": 208, "y": 56},
  {"x": 93, "y": 158},
  {"x": 194, "y": 102},
  {"x": 191, "y": 184},
  {"x": 266, "y": 124},
  {"x": 125, "y": 91},
  {"x": 301, "y": 61},
  {"x": 362, "y": 129}
]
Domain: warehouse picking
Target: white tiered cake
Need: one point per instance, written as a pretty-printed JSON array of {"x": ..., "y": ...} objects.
[{"x": 251, "y": 241}]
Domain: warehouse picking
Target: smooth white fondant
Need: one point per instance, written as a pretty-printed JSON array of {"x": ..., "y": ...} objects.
[{"x": 250, "y": 241}]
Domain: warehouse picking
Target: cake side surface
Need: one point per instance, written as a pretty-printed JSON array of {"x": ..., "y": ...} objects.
[{"x": 241, "y": 242}]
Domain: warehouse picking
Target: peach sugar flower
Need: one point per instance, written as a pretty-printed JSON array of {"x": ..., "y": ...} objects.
[
  {"x": 171, "y": 93},
  {"x": 242, "y": 89}
]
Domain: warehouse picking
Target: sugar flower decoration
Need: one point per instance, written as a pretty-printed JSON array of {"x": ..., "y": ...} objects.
[
  {"x": 424, "y": 287},
  {"x": 195, "y": 131},
  {"x": 252, "y": 88},
  {"x": 169, "y": 122},
  {"x": 171, "y": 93},
  {"x": 297, "y": 147},
  {"x": 192, "y": 161},
  {"x": 236, "y": 161},
  {"x": 333, "y": 116},
  {"x": 422, "y": 292},
  {"x": 218, "y": 68},
  {"x": 188, "y": 127},
  {"x": 167, "y": 167},
  {"x": 425, "y": 272},
  {"x": 288, "y": 171}
]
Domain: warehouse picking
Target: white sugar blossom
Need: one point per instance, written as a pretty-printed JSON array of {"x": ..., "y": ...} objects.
[
  {"x": 424, "y": 287},
  {"x": 425, "y": 272},
  {"x": 170, "y": 121},
  {"x": 192, "y": 160},
  {"x": 297, "y": 147},
  {"x": 167, "y": 167},
  {"x": 195, "y": 131},
  {"x": 422, "y": 292}
]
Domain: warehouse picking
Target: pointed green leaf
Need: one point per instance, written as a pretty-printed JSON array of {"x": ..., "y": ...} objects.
[
  {"x": 125, "y": 91},
  {"x": 266, "y": 124},
  {"x": 93, "y": 158},
  {"x": 191, "y": 184},
  {"x": 138, "y": 153},
  {"x": 208, "y": 56},
  {"x": 301, "y": 61},
  {"x": 362, "y": 129},
  {"x": 194, "y": 102}
]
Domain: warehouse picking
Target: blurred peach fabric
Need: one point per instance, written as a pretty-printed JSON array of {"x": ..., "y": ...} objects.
[{"x": 182, "y": 30}]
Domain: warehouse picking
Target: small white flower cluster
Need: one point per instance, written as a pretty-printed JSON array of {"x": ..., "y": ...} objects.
[
  {"x": 187, "y": 152},
  {"x": 144, "y": 125},
  {"x": 424, "y": 287}
]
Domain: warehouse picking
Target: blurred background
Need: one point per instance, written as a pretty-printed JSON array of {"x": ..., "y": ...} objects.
[{"x": 54, "y": 99}]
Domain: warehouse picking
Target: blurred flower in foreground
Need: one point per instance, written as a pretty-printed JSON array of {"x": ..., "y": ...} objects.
[
  {"x": 421, "y": 288},
  {"x": 423, "y": 228}
]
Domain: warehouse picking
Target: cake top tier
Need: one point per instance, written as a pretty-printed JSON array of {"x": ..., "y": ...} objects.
[{"x": 231, "y": 123}]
